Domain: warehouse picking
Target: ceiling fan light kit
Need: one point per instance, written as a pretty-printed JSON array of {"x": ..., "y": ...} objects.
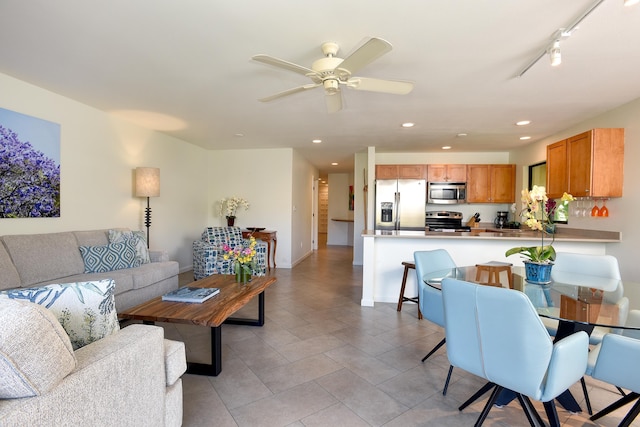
[{"x": 331, "y": 72}]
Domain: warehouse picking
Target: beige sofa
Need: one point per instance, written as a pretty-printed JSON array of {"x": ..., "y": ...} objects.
[
  {"x": 129, "y": 378},
  {"x": 31, "y": 260}
]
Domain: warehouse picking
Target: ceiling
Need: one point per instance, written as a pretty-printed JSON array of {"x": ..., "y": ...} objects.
[{"x": 184, "y": 67}]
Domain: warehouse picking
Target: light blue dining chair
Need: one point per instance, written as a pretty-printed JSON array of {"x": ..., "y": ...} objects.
[
  {"x": 496, "y": 333},
  {"x": 615, "y": 361},
  {"x": 430, "y": 299}
]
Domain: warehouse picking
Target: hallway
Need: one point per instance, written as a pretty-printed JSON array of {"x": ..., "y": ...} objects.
[{"x": 323, "y": 360}]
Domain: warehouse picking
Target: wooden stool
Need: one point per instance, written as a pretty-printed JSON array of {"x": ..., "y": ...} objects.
[
  {"x": 407, "y": 266},
  {"x": 494, "y": 268}
]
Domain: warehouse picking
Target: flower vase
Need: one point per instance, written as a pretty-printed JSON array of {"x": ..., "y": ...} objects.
[
  {"x": 243, "y": 273},
  {"x": 231, "y": 220},
  {"x": 538, "y": 273}
]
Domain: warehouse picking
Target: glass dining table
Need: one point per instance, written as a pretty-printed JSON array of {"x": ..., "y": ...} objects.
[{"x": 578, "y": 302}]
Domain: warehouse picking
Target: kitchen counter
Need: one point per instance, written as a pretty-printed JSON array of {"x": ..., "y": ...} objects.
[
  {"x": 480, "y": 233},
  {"x": 384, "y": 252}
]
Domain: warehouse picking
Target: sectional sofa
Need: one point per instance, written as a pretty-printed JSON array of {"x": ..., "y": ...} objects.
[{"x": 32, "y": 260}]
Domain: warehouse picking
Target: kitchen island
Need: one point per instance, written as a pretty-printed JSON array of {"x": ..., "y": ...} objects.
[{"x": 384, "y": 252}]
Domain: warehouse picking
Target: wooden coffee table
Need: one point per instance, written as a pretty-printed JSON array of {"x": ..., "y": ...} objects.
[{"x": 212, "y": 313}]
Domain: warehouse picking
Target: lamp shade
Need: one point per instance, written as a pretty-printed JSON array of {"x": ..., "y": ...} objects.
[{"x": 147, "y": 182}]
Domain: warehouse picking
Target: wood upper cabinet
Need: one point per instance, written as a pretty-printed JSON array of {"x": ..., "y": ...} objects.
[
  {"x": 587, "y": 165},
  {"x": 595, "y": 163},
  {"x": 386, "y": 171},
  {"x": 491, "y": 183},
  {"x": 399, "y": 171},
  {"x": 447, "y": 173},
  {"x": 411, "y": 171},
  {"x": 557, "y": 169}
]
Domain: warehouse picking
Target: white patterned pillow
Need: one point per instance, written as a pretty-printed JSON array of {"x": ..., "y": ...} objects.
[
  {"x": 35, "y": 352},
  {"x": 86, "y": 310},
  {"x": 139, "y": 242},
  {"x": 114, "y": 256}
]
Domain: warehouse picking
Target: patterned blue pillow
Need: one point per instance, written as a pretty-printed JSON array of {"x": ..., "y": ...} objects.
[
  {"x": 114, "y": 256},
  {"x": 86, "y": 310}
]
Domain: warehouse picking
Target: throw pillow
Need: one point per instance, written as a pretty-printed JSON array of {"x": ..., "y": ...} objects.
[
  {"x": 86, "y": 310},
  {"x": 139, "y": 242},
  {"x": 114, "y": 256},
  {"x": 35, "y": 352}
]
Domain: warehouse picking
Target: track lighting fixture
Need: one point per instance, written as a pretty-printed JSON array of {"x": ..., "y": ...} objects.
[{"x": 554, "y": 54}]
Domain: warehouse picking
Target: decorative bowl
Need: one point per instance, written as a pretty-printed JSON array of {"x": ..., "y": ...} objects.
[{"x": 255, "y": 228}]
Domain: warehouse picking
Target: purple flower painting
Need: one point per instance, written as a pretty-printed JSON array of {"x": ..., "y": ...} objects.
[{"x": 29, "y": 167}]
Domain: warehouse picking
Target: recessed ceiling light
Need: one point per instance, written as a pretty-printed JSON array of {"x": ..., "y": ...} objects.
[
  {"x": 446, "y": 147},
  {"x": 524, "y": 138},
  {"x": 523, "y": 122},
  {"x": 408, "y": 125},
  {"x": 316, "y": 141},
  {"x": 334, "y": 164}
]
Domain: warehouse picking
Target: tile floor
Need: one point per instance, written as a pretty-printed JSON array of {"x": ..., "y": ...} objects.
[{"x": 323, "y": 360}]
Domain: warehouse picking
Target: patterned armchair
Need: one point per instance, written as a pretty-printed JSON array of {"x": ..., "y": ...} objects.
[{"x": 208, "y": 254}]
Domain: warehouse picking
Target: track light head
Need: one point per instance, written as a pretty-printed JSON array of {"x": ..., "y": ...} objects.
[{"x": 554, "y": 54}]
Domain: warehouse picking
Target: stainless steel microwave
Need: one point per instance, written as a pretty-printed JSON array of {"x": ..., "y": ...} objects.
[{"x": 446, "y": 193}]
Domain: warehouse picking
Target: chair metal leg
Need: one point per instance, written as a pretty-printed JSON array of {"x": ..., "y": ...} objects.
[
  {"x": 529, "y": 411},
  {"x": 440, "y": 344},
  {"x": 586, "y": 396},
  {"x": 485, "y": 388},
  {"x": 446, "y": 383},
  {"x": 487, "y": 407},
  {"x": 552, "y": 413},
  {"x": 633, "y": 413},
  {"x": 616, "y": 405}
]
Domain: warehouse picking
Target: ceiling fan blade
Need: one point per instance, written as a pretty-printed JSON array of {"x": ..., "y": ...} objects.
[
  {"x": 334, "y": 102},
  {"x": 396, "y": 87},
  {"x": 281, "y": 63},
  {"x": 365, "y": 54},
  {"x": 289, "y": 92}
]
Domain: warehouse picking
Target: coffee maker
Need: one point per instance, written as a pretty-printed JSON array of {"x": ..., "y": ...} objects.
[{"x": 501, "y": 219}]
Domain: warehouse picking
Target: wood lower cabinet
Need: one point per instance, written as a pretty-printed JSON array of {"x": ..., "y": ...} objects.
[
  {"x": 447, "y": 173},
  {"x": 590, "y": 166},
  {"x": 491, "y": 183}
]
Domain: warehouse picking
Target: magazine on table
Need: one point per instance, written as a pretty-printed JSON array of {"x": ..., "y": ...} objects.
[{"x": 190, "y": 294}]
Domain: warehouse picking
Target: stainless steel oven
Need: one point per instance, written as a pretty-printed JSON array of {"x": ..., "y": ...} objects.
[{"x": 446, "y": 193}]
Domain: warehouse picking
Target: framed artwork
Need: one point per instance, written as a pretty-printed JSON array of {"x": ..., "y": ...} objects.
[{"x": 29, "y": 166}]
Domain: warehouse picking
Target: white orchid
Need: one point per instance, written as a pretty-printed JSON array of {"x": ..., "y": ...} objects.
[{"x": 230, "y": 205}]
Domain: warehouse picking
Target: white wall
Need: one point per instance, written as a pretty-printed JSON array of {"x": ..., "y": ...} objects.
[
  {"x": 266, "y": 185},
  {"x": 99, "y": 153},
  {"x": 304, "y": 178},
  {"x": 339, "y": 233},
  {"x": 622, "y": 211}
]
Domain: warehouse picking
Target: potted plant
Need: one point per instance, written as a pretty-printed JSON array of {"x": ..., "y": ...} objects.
[
  {"x": 228, "y": 207},
  {"x": 539, "y": 211},
  {"x": 243, "y": 259}
]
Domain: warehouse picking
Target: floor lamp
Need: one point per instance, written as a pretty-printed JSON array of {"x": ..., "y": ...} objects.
[{"x": 147, "y": 185}]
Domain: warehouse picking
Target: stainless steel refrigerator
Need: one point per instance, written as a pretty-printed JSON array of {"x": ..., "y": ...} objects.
[{"x": 400, "y": 204}]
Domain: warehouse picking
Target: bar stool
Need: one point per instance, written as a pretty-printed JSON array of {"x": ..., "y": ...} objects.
[
  {"x": 407, "y": 266},
  {"x": 494, "y": 268}
]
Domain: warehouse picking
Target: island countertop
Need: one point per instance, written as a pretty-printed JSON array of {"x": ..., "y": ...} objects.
[{"x": 561, "y": 235}]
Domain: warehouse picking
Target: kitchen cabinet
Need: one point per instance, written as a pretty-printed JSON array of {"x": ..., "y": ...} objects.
[
  {"x": 557, "y": 176},
  {"x": 593, "y": 165},
  {"x": 491, "y": 183},
  {"x": 400, "y": 171},
  {"x": 447, "y": 173}
]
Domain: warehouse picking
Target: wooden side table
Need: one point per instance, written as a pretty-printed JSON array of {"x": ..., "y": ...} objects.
[{"x": 267, "y": 236}]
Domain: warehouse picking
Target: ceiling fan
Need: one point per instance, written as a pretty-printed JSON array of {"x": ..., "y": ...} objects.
[{"x": 332, "y": 72}]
